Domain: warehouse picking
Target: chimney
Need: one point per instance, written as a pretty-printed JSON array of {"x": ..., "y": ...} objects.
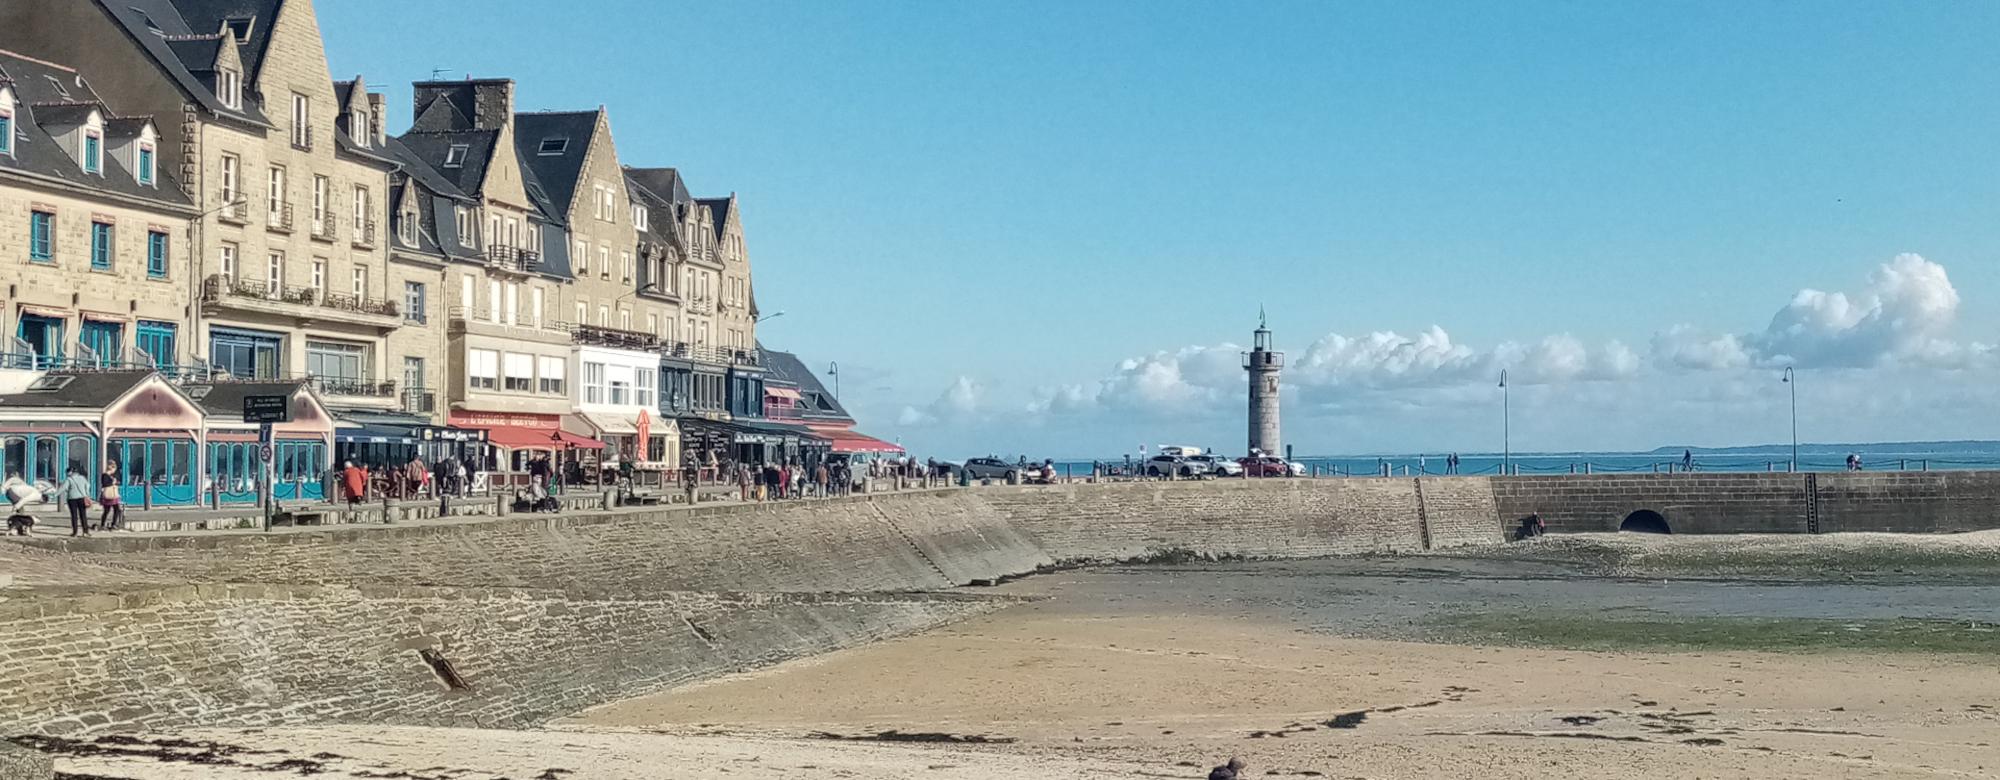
[
  {"x": 376, "y": 108},
  {"x": 493, "y": 103}
]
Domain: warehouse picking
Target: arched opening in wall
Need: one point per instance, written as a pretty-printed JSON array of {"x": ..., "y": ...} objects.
[{"x": 1646, "y": 521}]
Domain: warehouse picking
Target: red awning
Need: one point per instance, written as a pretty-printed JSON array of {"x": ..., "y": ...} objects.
[
  {"x": 580, "y": 442},
  {"x": 851, "y": 442},
  {"x": 540, "y": 439}
]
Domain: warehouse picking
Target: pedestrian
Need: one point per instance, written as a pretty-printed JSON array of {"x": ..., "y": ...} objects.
[
  {"x": 113, "y": 514},
  {"x": 354, "y": 481},
  {"x": 690, "y": 474},
  {"x": 1234, "y": 770},
  {"x": 1853, "y": 461},
  {"x": 821, "y": 479},
  {"x": 75, "y": 494},
  {"x": 458, "y": 476},
  {"x": 1687, "y": 460},
  {"x": 413, "y": 476}
]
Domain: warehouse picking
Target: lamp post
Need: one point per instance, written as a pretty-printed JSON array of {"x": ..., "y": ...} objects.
[
  {"x": 1506, "y": 428},
  {"x": 1791, "y": 380},
  {"x": 833, "y": 370},
  {"x": 772, "y": 316}
]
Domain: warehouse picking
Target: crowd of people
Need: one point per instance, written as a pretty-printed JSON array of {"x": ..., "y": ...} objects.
[{"x": 75, "y": 494}]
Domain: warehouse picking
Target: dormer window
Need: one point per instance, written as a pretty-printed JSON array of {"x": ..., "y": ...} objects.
[
  {"x": 455, "y": 156},
  {"x": 359, "y": 129},
  {"x": 93, "y": 152},
  {"x": 638, "y": 217},
  {"x": 6, "y": 127},
  {"x": 229, "y": 88},
  {"x": 406, "y": 227},
  {"x": 146, "y": 164},
  {"x": 554, "y": 146}
]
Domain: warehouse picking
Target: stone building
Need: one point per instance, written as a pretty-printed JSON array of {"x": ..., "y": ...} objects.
[
  {"x": 290, "y": 270},
  {"x": 506, "y": 260},
  {"x": 94, "y": 226}
]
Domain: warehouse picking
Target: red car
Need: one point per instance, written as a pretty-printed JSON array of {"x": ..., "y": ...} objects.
[{"x": 1265, "y": 466}]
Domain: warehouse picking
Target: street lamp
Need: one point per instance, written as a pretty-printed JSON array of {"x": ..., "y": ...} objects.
[
  {"x": 833, "y": 370},
  {"x": 772, "y": 316},
  {"x": 1791, "y": 380},
  {"x": 1506, "y": 428}
]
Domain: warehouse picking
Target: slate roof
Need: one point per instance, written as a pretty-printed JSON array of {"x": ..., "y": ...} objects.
[
  {"x": 660, "y": 211},
  {"x": 666, "y": 183},
  {"x": 820, "y": 404},
  {"x": 719, "y": 208},
  {"x": 434, "y": 147},
  {"x": 152, "y": 23},
  {"x": 225, "y": 399},
  {"x": 557, "y": 173},
  {"x": 85, "y": 390},
  {"x": 36, "y": 152},
  {"x": 436, "y": 197}
]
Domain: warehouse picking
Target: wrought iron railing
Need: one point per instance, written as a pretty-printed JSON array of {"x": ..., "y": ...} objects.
[
  {"x": 418, "y": 401},
  {"x": 510, "y": 258},
  {"x": 353, "y": 386},
  {"x": 279, "y": 218},
  {"x": 232, "y": 210},
  {"x": 302, "y": 138},
  {"x": 326, "y": 227},
  {"x": 364, "y": 233},
  {"x": 218, "y": 288}
]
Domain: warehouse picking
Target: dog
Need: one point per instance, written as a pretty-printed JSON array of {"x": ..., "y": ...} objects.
[{"x": 18, "y": 525}]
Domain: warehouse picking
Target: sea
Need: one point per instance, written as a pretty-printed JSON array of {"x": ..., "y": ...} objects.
[{"x": 1892, "y": 456}]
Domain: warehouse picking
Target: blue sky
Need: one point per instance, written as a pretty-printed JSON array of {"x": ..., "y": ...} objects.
[{"x": 1041, "y": 228}]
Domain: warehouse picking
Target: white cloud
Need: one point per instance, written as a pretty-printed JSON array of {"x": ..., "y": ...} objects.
[{"x": 1902, "y": 317}]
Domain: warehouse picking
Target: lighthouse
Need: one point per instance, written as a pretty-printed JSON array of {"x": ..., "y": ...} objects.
[{"x": 1264, "y": 365}]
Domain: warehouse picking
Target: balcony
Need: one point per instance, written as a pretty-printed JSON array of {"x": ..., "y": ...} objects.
[
  {"x": 364, "y": 234},
  {"x": 302, "y": 302},
  {"x": 326, "y": 228},
  {"x": 709, "y": 354},
  {"x": 514, "y": 259},
  {"x": 356, "y": 387},
  {"x": 302, "y": 139},
  {"x": 617, "y": 338},
  {"x": 701, "y": 306},
  {"x": 233, "y": 211},
  {"x": 481, "y": 320},
  {"x": 419, "y": 401},
  {"x": 279, "y": 218}
]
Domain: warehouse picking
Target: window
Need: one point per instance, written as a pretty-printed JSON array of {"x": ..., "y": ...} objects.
[
  {"x": 625, "y": 265},
  {"x": 513, "y": 232},
  {"x": 157, "y": 341},
  {"x": 338, "y": 361},
  {"x": 493, "y": 300},
  {"x": 322, "y": 199},
  {"x": 492, "y": 229},
  {"x": 593, "y": 383},
  {"x": 360, "y": 208},
  {"x": 484, "y": 369},
  {"x": 552, "y": 375},
  {"x": 603, "y": 316},
  {"x": 642, "y": 387},
  {"x": 102, "y": 341},
  {"x": 41, "y": 237},
  {"x": 100, "y": 246},
  {"x": 513, "y": 303},
  {"x": 274, "y": 274},
  {"x": 625, "y": 319},
  {"x": 156, "y": 255},
  {"x": 229, "y": 88},
  {"x": 245, "y": 354},
  {"x": 359, "y": 129},
  {"x": 465, "y": 224},
  {"x": 239, "y": 27},
  {"x": 639, "y": 216},
  {"x": 146, "y": 164},
  {"x": 455, "y": 156},
  {"x": 413, "y": 302},
  {"x": 553, "y": 146},
  {"x": 301, "y": 121},
  {"x": 582, "y": 259},
  {"x": 229, "y": 183},
  {"x": 93, "y": 152},
  {"x": 360, "y": 283},
  {"x": 535, "y": 301},
  {"x": 597, "y": 201},
  {"x": 406, "y": 227},
  {"x": 319, "y": 279},
  {"x": 6, "y": 131},
  {"x": 620, "y": 387},
  {"x": 520, "y": 372},
  {"x": 534, "y": 238},
  {"x": 276, "y": 200},
  {"x": 226, "y": 260},
  {"x": 604, "y": 262},
  {"x": 582, "y": 313},
  {"x": 653, "y": 324}
]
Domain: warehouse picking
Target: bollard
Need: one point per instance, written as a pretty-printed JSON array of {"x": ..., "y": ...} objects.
[
  {"x": 1572, "y": 468},
  {"x": 1926, "y": 464},
  {"x": 388, "y": 515},
  {"x": 1656, "y": 468},
  {"x": 1586, "y": 467}
]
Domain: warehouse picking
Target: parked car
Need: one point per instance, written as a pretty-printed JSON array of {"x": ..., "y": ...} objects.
[
  {"x": 1175, "y": 466},
  {"x": 991, "y": 468},
  {"x": 1296, "y": 468},
  {"x": 1265, "y": 466},
  {"x": 1218, "y": 466}
]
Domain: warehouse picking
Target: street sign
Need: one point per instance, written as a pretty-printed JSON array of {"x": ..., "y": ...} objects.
[
  {"x": 265, "y": 453},
  {"x": 267, "y": 408},
  {"x": 264, "y": 434}
]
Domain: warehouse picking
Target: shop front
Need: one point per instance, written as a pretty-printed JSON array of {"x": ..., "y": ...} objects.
[
  {"x": 233, "y": 467},
  {"x": 514, "y": 439},
  {"x": 379, "y": 438},
  {"x": 144, "y": 428}
]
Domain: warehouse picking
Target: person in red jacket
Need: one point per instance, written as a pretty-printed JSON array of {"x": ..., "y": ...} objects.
[{"x": 355, "y": 481}]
